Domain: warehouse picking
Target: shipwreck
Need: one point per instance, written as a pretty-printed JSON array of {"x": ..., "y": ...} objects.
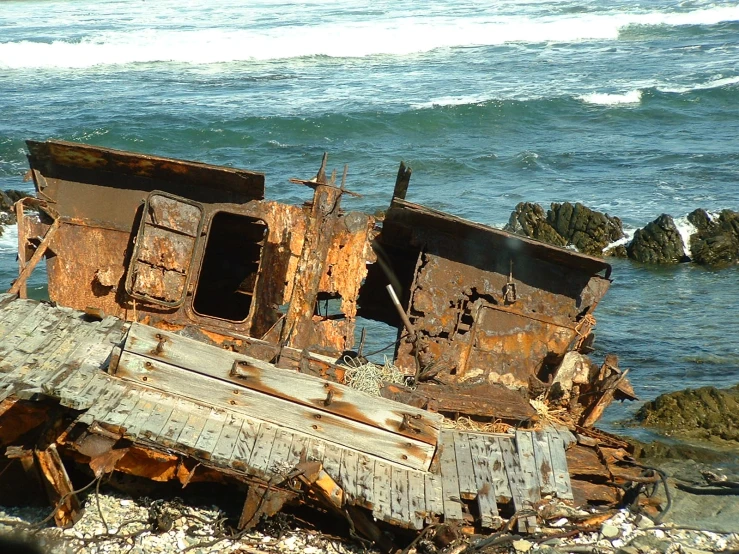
[{"x": 196, "y": 331}]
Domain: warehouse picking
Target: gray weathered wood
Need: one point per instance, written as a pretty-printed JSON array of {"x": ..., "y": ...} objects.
[
  {"x": 292, "y": 386},
  {"x": 158, "y": 417},
  {"x": 316, "y": 449},
  {"x": 196, "y": 420},
  {"x": 498, "y": 471},
  {"x": 348, "y": 433},
  {"x": 278, "y": 463},
  {"x": 172, "y": 429},
  {"x": 123, "y": 409},
  {"x": 262, "y": 449},
  {"x": 416, "y": 498},
  {"x": 140, "y": 413},
  {"x": 15, "y": 355},
  {"x": 332, "y": 461},
  {"x": 94, "y": 389},
  {"x": 527, "y": 462},
  {"x": 349, "y": 474},
  {"x": 245, "y": 444},
  {"x": 517, "y": 482},
  {"x": 211, "y": 432},
  {"x": 104, "y": 403},
  {"x": 399, "y": 504},
  {"x": 365, "y": 480},
  {"x": 381, "y": 491},
  {"x": 486, "y": 496},
  {"x": 559, "y": 467},
  {"x": 543, "y": 458},
  {"x": 298, "y": 449},
  {"x": 13, "y": 315},
  {"x": 434, "y": 495},
  {"x": 467, "y": 484},
  {"x": 224, "y": 448},
  {"x": 451, "y": 496}
]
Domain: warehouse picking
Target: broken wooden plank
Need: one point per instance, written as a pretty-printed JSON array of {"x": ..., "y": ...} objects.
[
  {"x": 309, "y": 421},
  {"x": 467, "y": 483},
  {"x": 332, "y": 461},
  {"x": 292, "y": 386},
  {"x": 381, "y": 491},
  {"x": 298, "y": 449},
  {"x": 547, "y": 483},
  {"x": 59, "y": 487},
  {"x": 559, "y": 467},
  {"x": 277, "y": 463},
  {"x": 365, "y": 480},
  {"x": 208, "y": 438},
  {"x": 348, "y": 477},
  {"x": 196, "y": 420},
  {"x": 434, "y": 495},
  {"x": 416, "y": 498},
  {"x": 223, "y": 451},
  {"x": 244, "y": 444},
  {"x": 172, "y": 429},
  {"x": 527, "y": 463},
  {"x": 399, "y": 503},
  {"x": 497, "y": 467},
  {"x": 262, "y": 449},
  {"x": 451, "y": 497},
  {"x": 517, "y": 482},
  {"x": 158, "y": 417},
  {"x": 486, "y": 496}
]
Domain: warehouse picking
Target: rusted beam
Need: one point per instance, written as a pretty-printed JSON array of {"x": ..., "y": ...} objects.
[
  {"x": 35, "y": 259},
  {"x": 58, "y": 487},
  {"x": 402, "y": 181}
]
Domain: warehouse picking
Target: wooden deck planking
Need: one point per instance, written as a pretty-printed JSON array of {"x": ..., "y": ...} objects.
[
  {"x": 196, "y": 420},
  {"x": 104, "y": 403},
  {"x": 157, "y": 419},
  {"x": 298, "y": 449},
  {"x": 245, "y": 444},
  {"x": 559, "y": 467},
  {"x": 123, "y": 409},
  {"x": 224, "y": 448},
  {"x": 92, "y": 391},
  {"x": 14, "y": 314},
  {"x": 485, "y": 482},
  {"x": 140, "y": 413},
  {"x": 278, "y": 463},
  {"x": 434, "y": 495},
  {"x": 547, "y": 484},
  {"x": 416, "y": 498},
  {"x": 381, "y": 491},
  {"x": 527, "y": 463},
  {"x": 15, "y": 355},
  {"x": 332, "y": 461},
  {"x": 208, "y": 438},
  {"x": 399, "y": 502},
  {"x": 263, "y": 448},
  {"x": 170, "y": 433},
  {"x": 467, "y": 483},
  {"x": 316, "y": 448},
  {"x": 451, "y": 497},
  {"x": 497, "y": 468},
  {"x": 332, "y": 428},
  {"x": 365, "y": 479},
  {"x": 291, "y": 386},
  {"x": 348, "y": 474}
]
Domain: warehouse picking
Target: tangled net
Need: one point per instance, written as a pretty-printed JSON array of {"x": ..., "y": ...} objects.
[
  {"x": 546, "y": 414},
  {"x": 465, "y": 423},
  {"x": 369, "y": 377}
]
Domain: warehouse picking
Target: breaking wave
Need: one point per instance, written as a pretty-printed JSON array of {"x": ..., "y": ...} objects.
[
  {"x": 390, "y": 34},
  {"x": 602, "y": 99}
]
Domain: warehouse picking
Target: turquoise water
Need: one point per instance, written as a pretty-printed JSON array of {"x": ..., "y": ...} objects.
[{"x": 629, "y": 107}]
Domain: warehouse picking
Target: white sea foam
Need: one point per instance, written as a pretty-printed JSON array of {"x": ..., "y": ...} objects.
[
  {"x": 717, "y": 82},
  {"x": 9, "y": 240},
  {"x": 686, "y": 230},
  {"x": 221, "y": 40},
  {"x": 603, "y": 99}
]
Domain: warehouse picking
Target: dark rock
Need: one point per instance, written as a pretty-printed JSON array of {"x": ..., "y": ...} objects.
[
  {"x": 705, "y": 414},
  {"x": 717, "y": 241},
  {"x": 7, "y": 199},
  {"x": 616, "y": 252},
  {"x": 529, "y": 220},
  {"x": 659, "y": 242},
  {"x": 589, "y": 231}
]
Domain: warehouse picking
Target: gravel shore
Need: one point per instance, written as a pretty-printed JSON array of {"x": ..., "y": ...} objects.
[{"x": 139, "y": 526}]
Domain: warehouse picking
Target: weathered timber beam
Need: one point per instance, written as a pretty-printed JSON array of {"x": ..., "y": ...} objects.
[
  {"x": 59, "y": 487},
  {"x": 288, "y": 385},
  {"x": 35, "y": 259},
  {"x": 326, "y": 426}
]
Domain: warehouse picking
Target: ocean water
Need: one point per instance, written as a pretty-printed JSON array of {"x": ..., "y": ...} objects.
[{"x": 629, "y": 107}]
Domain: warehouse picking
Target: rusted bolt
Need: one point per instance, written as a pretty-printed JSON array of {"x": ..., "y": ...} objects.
[
  {"x": 232, "y": 402},
  {"x": 144, "y": 378},
  {"x": 315, "y": 427},
  {"x": 317, "y": 416},
  {"x": 148, "y": 365},
  {"x": 235, "y": 391},
  {"x": 405, "y": 457}
]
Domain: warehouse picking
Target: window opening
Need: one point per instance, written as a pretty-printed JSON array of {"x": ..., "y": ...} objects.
[{"x": 228, "y": 275}]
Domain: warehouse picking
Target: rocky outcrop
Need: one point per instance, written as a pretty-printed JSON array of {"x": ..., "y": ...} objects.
[
  {"x": 589, "y": 231},
  {"x": 7, "y": 199},
  {"x": 707, "y": 413},
  {"x": 716, "y": 241},
  {"x": 529, "y": 220},
  {"x": 566, "y": 224},
  {"x": 659, "y": 242}
]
